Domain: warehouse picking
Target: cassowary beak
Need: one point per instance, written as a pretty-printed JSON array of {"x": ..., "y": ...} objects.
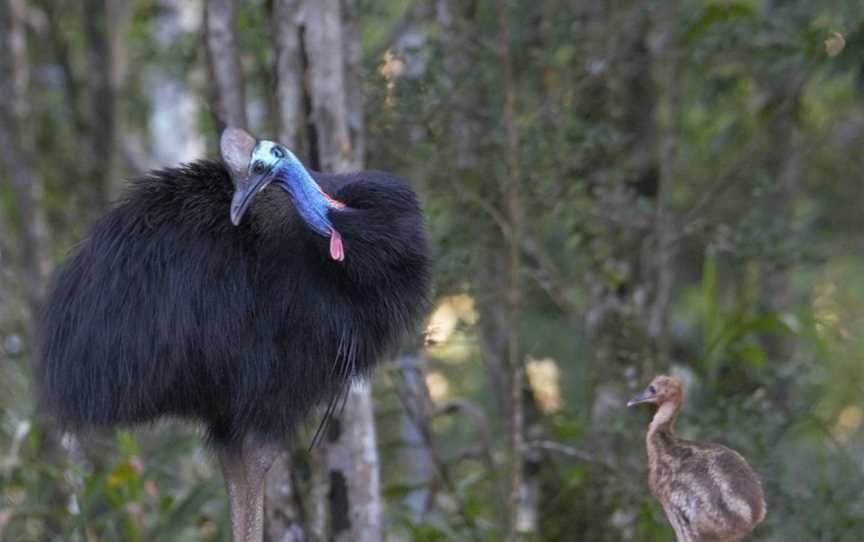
[
  {"x": 245, "y": 193},
  {"x": 644, "y": 397}
]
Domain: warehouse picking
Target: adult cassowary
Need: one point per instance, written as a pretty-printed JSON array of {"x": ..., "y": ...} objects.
[{"x": 175, "y": 307}]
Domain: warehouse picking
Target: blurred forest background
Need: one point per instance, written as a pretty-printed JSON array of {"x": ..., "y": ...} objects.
[{"x": 613, "y": 189}]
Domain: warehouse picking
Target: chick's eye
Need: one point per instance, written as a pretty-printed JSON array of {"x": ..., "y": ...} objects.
[
  {"x": 258, "y": 167},
  {"x": 652, "y": 389},
  {"x": 278, "y": 152}
]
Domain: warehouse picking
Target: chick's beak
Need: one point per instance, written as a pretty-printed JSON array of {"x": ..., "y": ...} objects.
[
  {"x": 245, "y": 193},
  {"x": 643, "y": 397}
]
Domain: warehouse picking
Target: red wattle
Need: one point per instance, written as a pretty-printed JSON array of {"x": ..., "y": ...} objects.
[{"x": 337, "y": 251}]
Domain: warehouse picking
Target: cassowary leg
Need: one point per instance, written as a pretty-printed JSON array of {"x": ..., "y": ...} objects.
[{"x": 245, "y": 470}]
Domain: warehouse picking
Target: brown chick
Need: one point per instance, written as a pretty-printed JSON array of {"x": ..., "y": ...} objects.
[{"x": 709, "y": 492}]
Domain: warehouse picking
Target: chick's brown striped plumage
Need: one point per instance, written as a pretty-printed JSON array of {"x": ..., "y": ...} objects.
[{"x": 708, "y": 492}]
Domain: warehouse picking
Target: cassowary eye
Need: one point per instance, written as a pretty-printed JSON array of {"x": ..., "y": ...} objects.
[
  {"x": 258, "y": 167},
  {"x": 278, "y": 152}
]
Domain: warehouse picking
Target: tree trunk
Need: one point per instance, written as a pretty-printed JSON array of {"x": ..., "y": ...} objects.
[
  {"x": 327, "y": 86},
  {"x": 227, "y": 95},
  {"x": 290, "y": 76},
  {"x": 457, "y": 20},
  {"x": 18, "y": 137},
  {"x": 282, "y": 518},
  {"x": 174, "y": 133},
  {"x": 663, "y": 269},
  {"x": 524, "y": 478},
  {"x": 283, "y": 512},
  {"x": 351, "y": 456},
  {"x": 415, "y": 455},
  {"x": 107, "y": 23},
  {"x": 18, "y": 158},
  {"x": 352, "y": 460},
  {"x": 498, "y": 248},
  {"x": 352, "y": 51}
]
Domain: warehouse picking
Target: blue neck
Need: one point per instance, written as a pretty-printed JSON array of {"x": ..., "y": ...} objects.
[{"x": 310, "y": 202}]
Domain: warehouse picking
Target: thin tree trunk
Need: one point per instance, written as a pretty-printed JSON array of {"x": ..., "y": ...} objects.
[
  {"x": 417, "y": 454},
  {"x": 290, "y": 76},
  {"x": 418, "y": 466},
  {"x": 107, "y": 22},
  {"x": 658, "y": 318},
  {"x": 336, "y": 95},
  {"x": 63, "y": 52},
  {"x": 227, "y": 95},
  {"x": 316, "y": 499},
  {"x": 352, "y": 50},
  {"x": 498, "y": 322},
  {"x": 227, "y": 98},
  {"x": 118, "y": 18},
  {"x": 283, "y": 513},
  {"x": 522, "y": 519},
  {"x": 18, "y": 157},
  {"x": 457, "y": 20},
  {"x": 352, "y": 461},
  {"x": 327, "y": 79},
  {"x": 283, "y": 521},
  {"x": 174, "y": 134},
  {"x": 18, "y": 137}
]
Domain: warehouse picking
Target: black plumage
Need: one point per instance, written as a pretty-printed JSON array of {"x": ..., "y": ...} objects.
[{"x": 168, "y": 309}]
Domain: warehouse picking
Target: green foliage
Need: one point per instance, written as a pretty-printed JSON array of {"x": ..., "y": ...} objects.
[{"x": 125, "y": 498}]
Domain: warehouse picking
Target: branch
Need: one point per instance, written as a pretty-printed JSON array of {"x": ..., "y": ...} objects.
[
  {"x": 420, "y": 419},
  {"x": 478, "y": 419},
  {"x": 553, "y": 446},
  {"x": 549, "y": 282}
]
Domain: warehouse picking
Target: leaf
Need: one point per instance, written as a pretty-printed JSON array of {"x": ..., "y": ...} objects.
[
  {"x": 738, "y": 328},
  {"x": 771, "y": 322},
  {"x": 564, "y": 428},
  {"x": 575, "y": 475},
  {"x": 425, "y": 532},
  {"x": 399, "y": 491},
  {"x": 127, "y": 443},
  {"x": 185, "y": 513},
  {"x": 473, "y": 508},
  {"x": 713, "y": 14},
  {"x": 709, "y": 298},
  {"x": 121, "y": 475},
  {"x": 752, "y": 354}
]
